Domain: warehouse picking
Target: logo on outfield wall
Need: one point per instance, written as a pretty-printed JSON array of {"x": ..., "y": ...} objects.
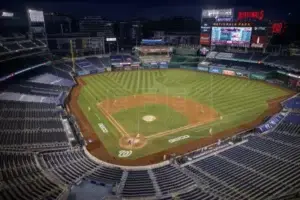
[
  {"x": 124, "y": 153},
  {"x": 178, "y": 138}
]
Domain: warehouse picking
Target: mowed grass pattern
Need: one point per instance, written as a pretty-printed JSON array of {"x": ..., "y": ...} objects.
[{"x": 237, "y": 100}]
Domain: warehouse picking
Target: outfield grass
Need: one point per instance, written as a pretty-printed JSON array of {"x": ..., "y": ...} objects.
[
  {"x": 237, "y": 100},
  {"x": 166, "y": 118}
]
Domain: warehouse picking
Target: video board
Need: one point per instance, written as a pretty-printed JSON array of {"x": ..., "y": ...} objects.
[
  {"x": 258, "y": 41},
  {"x": 259, "y": 37},
  {"x": 232, "y": 36}
]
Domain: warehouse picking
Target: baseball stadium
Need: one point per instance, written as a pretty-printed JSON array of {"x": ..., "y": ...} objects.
[
  {"x": 219, "y": 120},
  {"x": 149, "y": 111}
]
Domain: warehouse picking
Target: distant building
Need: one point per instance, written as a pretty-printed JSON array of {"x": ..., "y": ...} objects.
[
  {"x": 97, "y": 27},
  {"x": 130, "y": 33},
  {"x": 136, "y": 31},
  {"x": 78, "y": 44},
  {"x": 60, "y": 23},
  {"x": 178, "y": 38}
]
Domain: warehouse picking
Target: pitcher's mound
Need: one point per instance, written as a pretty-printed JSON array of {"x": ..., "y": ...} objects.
[
  {"x": 129, "y": 142},
  {"x": 149, "y": 118}
]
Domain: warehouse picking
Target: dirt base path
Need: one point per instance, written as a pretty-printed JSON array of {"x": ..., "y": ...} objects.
[{"x": 194, "y": 111}]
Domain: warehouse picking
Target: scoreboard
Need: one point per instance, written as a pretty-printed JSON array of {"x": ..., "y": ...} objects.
[
  {"x": 231, "y": 36},
  {"x": 245, "y": 29}
]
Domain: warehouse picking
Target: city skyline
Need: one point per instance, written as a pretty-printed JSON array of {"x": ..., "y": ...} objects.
[{"x": 118, "y": 10}]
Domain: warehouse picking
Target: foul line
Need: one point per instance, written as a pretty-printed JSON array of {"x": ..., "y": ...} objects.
[
  {"x": 114, "y": 122},
  {"x": 168, "y": 132}
]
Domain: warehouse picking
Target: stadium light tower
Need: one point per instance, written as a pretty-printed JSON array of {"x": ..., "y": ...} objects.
[{"x": 37, "y": 28}]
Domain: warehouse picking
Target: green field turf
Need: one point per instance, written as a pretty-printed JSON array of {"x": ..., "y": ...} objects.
[
  {"x": 166, "y": 118},
  {"x": 237, "y": 100}
]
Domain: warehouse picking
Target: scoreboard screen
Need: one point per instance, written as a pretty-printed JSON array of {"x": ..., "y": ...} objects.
[{"x": 232, "y": 36}]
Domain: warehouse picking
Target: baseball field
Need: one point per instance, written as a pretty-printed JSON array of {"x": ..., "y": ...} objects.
[{"x": 133, "y": 117}]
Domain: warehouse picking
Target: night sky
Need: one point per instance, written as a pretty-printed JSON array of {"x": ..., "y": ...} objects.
[{"x": 154, "y": 9}]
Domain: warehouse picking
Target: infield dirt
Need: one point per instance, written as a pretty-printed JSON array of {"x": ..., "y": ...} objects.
[{"x": 195, "y": 112}]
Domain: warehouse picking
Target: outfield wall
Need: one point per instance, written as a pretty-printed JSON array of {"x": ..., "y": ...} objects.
[{"x": 287, "y": 79}]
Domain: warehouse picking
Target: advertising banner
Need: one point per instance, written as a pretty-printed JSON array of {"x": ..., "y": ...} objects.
[
  {"x": 258, "y": 76},
  {"x": 189, "y": 68},
  {"x": 215, "y": 70},
  {"x": 277, "y": 28},
  {"x": 152, "y": 41},
  {"x": 217, "y": 13},
  {"x": 154, "y": 49},
  {"x": 205, "y": 39},
  {"x": 258, "y": 41},
  {"x": 206, "y": 28},
  {"x": 258, "y": 15},
  {"x": 224, "y": 19},
  {"x": 229, "y": 72},
  {"x": 242, "y": 74},
  {"x": 271, "y": 123},
  {"x": 204, "y": 69},
  {"x": 163, "y": 65},
  {"x": 127, "y": 68},
  {"x": 152, "y": 65},
  {"x": 116, "y": 60},
  {"x": 135, "y": 65}
]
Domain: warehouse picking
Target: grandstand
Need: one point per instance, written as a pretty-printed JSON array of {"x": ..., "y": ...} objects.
[
  {"x": 153, "y": 53},
  {"x": 43, "y": 155}
]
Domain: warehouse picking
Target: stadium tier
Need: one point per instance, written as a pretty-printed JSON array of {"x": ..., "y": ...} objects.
[{"x": 62, "y": 131}]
